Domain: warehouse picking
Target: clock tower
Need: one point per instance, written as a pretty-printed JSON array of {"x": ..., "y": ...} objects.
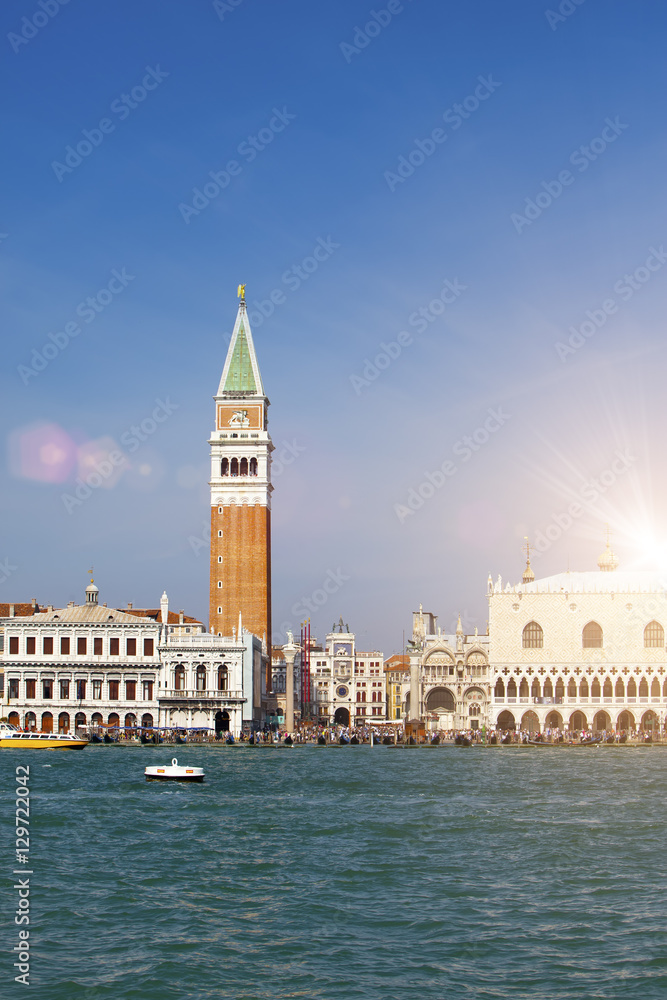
[{"x": 240, "y": 581}]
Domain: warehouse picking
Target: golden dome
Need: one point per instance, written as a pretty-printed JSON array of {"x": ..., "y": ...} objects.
[{"x": 608, "y": 561}]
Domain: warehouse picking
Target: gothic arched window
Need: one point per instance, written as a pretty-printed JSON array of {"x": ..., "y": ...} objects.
[
  {"x": 253, "y": 466},
  {"x": 222, "y": 678},
  {"x": 224, "y": 467},
  {"x": 244, "y": 467},
  {"x": 654, "y": 635},
  {"x": 201, "y": 678},
  {"x": 591, "y": 637},
  {"x": 179, "y": 678},
  {"x": 533, "y": 636}
]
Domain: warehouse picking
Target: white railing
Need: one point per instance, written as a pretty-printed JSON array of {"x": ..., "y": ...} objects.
[
  {"x": 203, "y": 639},
  {"x": 199, "y": 695}
]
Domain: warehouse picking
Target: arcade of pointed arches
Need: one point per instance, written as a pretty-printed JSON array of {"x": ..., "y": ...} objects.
[{"x": 583, "y": 698}]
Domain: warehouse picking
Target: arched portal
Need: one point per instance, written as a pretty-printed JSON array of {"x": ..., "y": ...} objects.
[
  {"x": 601, "y": 722},
  {"x": 578, "y": 722},
  {"x": 506, "y": 721},
  {"x": 79, "y": 720},
  {"x": 130, "y": 720},
  {"x": 440, "y": 698},
  {"x": 530, "y": 721},
  {"x": 14, "y": 719},
  {"x": 63, "y": 722},
  {"x": 650, "y": 723},
  {"x": 222, "y": 721},
  {"x": 554, "y": 720},
  {"x": 47, "y": 722},
  {"x": 147, "y": 721},
  {"x": 626, "y": 720},
  {"x": 30, "y": 720},
  {"x": 114, "y": 719},
  {"x": 342, "y": 717}
]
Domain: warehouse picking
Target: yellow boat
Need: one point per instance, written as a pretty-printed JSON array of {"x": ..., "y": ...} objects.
[{"x": 14, "y": 739}]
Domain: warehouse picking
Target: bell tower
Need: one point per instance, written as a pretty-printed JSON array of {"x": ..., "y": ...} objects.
[{"x": 240, "y": 580}]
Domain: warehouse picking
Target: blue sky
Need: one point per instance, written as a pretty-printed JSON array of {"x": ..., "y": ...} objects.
[{"x": 505, "y": 260}]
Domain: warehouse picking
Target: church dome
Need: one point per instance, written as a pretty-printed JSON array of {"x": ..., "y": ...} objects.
[{"x": 608, "y": 561}]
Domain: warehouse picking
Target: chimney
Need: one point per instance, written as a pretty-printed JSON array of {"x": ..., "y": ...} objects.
[
  {"x": 180, "y": 617},
  {"x": 104, "y": 605},
  {"x": 129, "y": 605},
  {"x": 34, "y": 603},
  {"x": 11, "y": 610}
]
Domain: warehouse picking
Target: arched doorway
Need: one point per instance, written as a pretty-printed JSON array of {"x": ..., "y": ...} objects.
[
  {"x": 342, "y": 717},
  {"x": 506, "y": 721},
  {"x": 147, "y": 721},
  {"x": 47, "y": 722},
  {"x": 554, "y": 720},
  {"x": 626, "y": 720},
  {"x": 601, "y": 722},
  {"x": 130, "y": 720},
  {"x": 14, "y": 719},
  {"x": 650, "y": 723},
  {"x": 30, "y": 720},
  {"x": 114, "y": 719},
  {"x": 79, "y": 720},
  {"x": 63, "y": 722},
  {"x": 440, "y": 698},
  {"x": 578, "y": 722},
  {"x": 221, "y": 722},
  {"x": 530, "y": 722}
]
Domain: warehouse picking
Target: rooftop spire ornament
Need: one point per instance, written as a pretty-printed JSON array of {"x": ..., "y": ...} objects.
[{"x": 528, "y": 575}]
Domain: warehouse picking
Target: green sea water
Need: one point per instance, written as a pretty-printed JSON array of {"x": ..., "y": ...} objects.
[{"x": 343, "y": 872}]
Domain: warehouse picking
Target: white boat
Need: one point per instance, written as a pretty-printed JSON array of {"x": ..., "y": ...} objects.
[
  {"x": 174, "y": 772},
  {"x": 15, "y": 739}
]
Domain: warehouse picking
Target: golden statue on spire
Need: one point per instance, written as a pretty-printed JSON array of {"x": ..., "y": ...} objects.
[{"x": 240, "y": 293}]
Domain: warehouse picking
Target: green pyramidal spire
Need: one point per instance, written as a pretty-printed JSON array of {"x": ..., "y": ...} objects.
[
  {"x": 240, "y": 376},
  {"x": 241, "y": 371}
]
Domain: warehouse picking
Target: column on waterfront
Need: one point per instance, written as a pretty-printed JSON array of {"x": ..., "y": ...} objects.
[{"x": 290, "y": 650}]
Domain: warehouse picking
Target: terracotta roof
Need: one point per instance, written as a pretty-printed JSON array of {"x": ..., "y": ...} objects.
[
  {"x": 20, "y": 610},
  {"x": 173, "y": 617},
  {"x": 397, "y": 661}
]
